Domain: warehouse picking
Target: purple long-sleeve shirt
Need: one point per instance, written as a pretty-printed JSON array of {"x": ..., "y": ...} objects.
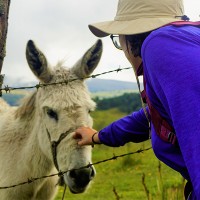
[{"x": 171, "y": 60}]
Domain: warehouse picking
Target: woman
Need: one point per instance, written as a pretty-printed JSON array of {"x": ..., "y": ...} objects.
[{"x": 160, "y": 42}]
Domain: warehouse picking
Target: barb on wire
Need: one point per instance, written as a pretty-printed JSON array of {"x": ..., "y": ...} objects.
[
  {"x": 37, "y": 86},
  {"x": 61, "y": 173}
]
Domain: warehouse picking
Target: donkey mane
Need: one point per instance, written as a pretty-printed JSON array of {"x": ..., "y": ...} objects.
[{"x": 27, "y": 106}]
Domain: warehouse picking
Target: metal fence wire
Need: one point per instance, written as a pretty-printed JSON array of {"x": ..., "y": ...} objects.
[{"x": 37, "y": 86}]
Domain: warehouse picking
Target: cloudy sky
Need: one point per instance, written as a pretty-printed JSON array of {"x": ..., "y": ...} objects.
[{"x": 60, "y": 30}]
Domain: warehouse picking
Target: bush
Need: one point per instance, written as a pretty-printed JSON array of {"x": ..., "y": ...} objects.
[{"x": 126, "y": 103}]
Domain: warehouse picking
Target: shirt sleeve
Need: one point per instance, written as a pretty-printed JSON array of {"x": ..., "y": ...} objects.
[
  {"x": 131, "y": 128},
  {"x": 173, "y": 71}
]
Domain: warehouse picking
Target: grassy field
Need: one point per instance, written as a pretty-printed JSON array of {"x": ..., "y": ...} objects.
[{"x": 136, "y": 177}]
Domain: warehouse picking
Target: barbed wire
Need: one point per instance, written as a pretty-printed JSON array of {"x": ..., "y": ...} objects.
[
  {"x": 37, "y": 86},
  {"x": 61, "y": 173}
]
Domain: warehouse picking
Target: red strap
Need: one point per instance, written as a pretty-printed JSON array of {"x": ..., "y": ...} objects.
[
  {"x": 182, "y": 23},
  {"x": 162, "y": 127}
]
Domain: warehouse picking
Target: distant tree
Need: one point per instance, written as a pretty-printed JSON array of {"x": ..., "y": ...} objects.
[
  {"x": 131, "y": 102},
  {"x": 126, "y": 103}
]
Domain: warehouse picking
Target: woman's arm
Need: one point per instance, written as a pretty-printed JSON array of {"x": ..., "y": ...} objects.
[{"x": 131, "y": 128}]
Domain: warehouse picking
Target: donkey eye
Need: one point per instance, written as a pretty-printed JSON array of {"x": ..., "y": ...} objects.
[
  {"x": 89, "y": 110},
  {"x": 52, "y": 114}
]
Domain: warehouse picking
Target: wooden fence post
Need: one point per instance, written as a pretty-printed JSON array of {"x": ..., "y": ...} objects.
[{"x": 4, "y": 12}]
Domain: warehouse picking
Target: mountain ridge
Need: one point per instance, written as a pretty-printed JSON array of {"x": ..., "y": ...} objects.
[{"x": 98, "y": 85}]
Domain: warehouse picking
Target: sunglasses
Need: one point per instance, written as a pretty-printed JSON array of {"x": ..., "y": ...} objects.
[{"x": 115, "y": 40}]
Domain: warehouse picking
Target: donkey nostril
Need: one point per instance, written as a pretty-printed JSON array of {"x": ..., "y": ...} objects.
[
  {"x": 73, "y": 174},
  {"x": 82, "y": 177},
  {"x": 76, "y": 173}
]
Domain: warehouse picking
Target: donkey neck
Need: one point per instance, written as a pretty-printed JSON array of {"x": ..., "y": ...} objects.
[{"x": 39, "y": 164}]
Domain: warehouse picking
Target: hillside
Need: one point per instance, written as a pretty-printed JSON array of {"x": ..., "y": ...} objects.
[{"x": 97, "y": 85}]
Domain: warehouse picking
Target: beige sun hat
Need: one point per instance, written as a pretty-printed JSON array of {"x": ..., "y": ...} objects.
[{"x": 139, "y": 16}]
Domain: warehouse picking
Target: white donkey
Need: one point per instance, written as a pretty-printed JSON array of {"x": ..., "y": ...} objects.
[{"x": 36, "y": 138}]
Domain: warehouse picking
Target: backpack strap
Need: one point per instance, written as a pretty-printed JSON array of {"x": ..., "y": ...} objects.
[{"x": 162, "y": 127}]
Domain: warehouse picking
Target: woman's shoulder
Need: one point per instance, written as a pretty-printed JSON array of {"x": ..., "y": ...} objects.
[
  {"x": 170, "y": 37},
  {"x": 174, "y": 33}
]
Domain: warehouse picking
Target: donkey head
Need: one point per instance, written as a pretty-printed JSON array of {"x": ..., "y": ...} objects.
[{"x": 63, "y": 103}]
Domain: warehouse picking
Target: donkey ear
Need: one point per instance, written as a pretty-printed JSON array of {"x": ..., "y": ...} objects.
[
  {"x": 87, "y": 64},
  {"x": 37, "y": 62}
]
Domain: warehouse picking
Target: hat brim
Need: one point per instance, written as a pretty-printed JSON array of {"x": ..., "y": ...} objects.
[{"x": 103, "y": 29}]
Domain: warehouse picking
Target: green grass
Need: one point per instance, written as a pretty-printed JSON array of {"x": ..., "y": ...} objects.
[{"x": 126, "y": 178}]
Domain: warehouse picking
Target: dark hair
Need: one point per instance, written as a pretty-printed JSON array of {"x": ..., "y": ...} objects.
[{"x": 136, "y": 42}]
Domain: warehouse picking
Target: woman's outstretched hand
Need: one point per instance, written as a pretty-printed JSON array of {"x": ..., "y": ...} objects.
[{"x": 86, "y": 136}]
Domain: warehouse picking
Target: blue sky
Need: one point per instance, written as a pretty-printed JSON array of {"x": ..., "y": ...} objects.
[{"x": 60, "y": 30}]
